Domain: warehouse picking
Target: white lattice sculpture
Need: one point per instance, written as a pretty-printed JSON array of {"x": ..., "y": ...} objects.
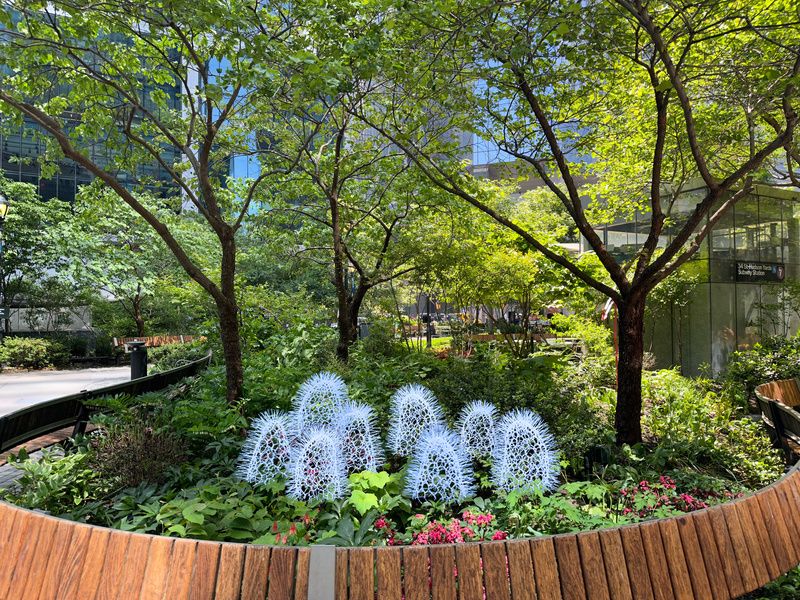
[
  {"x": 440, "y": 468},
  {"x": 266, "y": 452},
  {"x": 319, "y": 401},
  {"x": 477, "y": 426},
  {"x": 317, "y": 469},
  {"x": 524, "y": 456},
  {"x": 358, "y": 438},
  {"x": 413, "y": 408}
]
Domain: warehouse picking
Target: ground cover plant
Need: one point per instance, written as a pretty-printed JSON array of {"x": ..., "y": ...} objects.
[{"x": 700, "y": 449}]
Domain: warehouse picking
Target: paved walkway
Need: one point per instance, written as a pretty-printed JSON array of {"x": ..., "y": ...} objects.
[{"x": 18, "y": 390}]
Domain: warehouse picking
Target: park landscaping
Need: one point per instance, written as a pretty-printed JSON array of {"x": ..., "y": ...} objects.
[{"x": 290, "y": 185}]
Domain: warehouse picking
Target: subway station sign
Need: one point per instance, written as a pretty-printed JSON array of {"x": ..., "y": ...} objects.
[{"x": 757, "y": 272}]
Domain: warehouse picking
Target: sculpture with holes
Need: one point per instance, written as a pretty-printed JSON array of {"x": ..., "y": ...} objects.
[
  {"x": 317, "y": 469},
  {"x": 440, "y": 468},
  {"x": 476, "y": 426},
  {"x": 413, "y": 408},
  {"x": 266, "y": 452},
  {"x": 524, "y": 456},
  {"x": 360, "y": 443},
  {"x": 319, "y": 401}
]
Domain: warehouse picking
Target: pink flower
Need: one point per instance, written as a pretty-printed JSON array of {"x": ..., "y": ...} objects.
[
  {"x": 499, "y": 535},
  {"x": 381, "y": 523}
]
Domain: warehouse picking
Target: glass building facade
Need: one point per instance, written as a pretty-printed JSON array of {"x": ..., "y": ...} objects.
[{"x": 744, "y": 266}]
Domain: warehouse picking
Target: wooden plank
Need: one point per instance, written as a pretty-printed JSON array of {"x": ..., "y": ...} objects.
[
  {"x": 362, "y": 582},
  {"x": 37, "y": 565},
  {"x": 301, "y": 574},
  {"x": 154, "y": 581},
  {"x": 792, "y": 491},
  {"x": 16, "y": 538},
  {"x": 342, "y": 557},
  {"x": 712, "y": 557},
  {"x": 229, "y": 573},
  {"x": 389, "y": 575},
  {"x": 520, "y": 570},
  {"x": 751, "y": 566},
  {"x": 256, "y": 571},
  {"x": 204, "y": 573},
  {"x": 569, "y": 567},
  {"x": 545, "y": 569},
  {"x": 26, "y": 555},
  {"x": 93, "y": 564},
  {"x": 619, "y": 585},
  {"x": 791, "y": 509},
  {"x": 693, "y": 555},
  {"x": 443, "y": 573},
  {"x": 470, "y": 574},
  {"x": 416, "y": 579},
  {"x": 134, "y": 567},
  {"x": 7, "y": 516},
  {"x": 749, "y": 510},
  {"x": 73, "y": 564},
  {"x": 656, "y": 561},
  {"x": 495, "y": 570},
  {"x": 180, "y": 570},
  {"x": 594, "y": 570},
  {"x": 281, "y": 573},
  {"x": 789, "y": 517},
  {"x": 776, "y": 530},
  {"x": 116, "y": 550},
  {"x": 674, "y": 553},
  {"x": 636, "y": 561}
]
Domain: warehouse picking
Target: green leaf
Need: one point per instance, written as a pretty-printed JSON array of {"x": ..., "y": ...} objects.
[{"x": 363, "y": 501}]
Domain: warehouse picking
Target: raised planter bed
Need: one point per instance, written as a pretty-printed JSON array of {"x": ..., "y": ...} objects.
[{"x": 716, "y": 553}]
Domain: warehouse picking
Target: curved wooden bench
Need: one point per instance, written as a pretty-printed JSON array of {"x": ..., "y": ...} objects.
[{"x": 716, "y": 553}]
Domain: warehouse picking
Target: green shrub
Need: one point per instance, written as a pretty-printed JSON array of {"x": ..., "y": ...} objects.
[
  {"x": 169, "y": 356},
  {"x": 61, "y": 485},
  {"x": 32, "y": 353},
  {"x": 774, "y": 358},
  {"x": 136, "y": 452},
  {"x": 695, "y": 426}
]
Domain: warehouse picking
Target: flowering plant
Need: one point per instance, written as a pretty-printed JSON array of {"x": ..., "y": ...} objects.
[
  {"x": 471, "y": 527},
  {"x": 648, "y": 499}
]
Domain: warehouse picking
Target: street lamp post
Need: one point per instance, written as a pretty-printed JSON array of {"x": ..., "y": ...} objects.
[
  {"x": 429, "y": 331},
  {"x": 3, "y": 213}
]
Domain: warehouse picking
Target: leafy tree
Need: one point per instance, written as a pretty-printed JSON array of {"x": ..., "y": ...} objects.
[
  {"x": 615, "y": 106},
  {"x": 113, "y": 251},
  {"x": 171, "y": 92},
  {"x": 32, "y": 248},
  {"x": 355, "y": 204}
]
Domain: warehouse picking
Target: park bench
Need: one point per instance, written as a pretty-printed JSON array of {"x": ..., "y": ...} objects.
[{"x": 717, "y": 553}]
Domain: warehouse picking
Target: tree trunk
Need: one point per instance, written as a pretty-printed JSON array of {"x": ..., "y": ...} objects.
[
  {"x": 628, "y": 418},
  {"x": 231, "y": 349},
  {"x": 228, "y": 311},
  {"x": 349, "y": 309}
]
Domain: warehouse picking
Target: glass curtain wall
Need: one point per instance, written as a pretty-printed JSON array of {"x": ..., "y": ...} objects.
[{"x": 746, "y": 267}]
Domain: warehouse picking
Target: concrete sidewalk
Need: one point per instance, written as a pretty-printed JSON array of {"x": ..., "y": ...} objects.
[{"x": 18, "y": 390}]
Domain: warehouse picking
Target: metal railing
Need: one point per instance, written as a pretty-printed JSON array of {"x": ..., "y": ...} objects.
[{"x": 46, "y": 417}]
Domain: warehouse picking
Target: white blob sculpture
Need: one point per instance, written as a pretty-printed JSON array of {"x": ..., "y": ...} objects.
[
  {"x": 413, "y": 408},
  {"x": 317, "y": 470},
  {"x": 318, "y": 401},
  {"x": 524, "y": 456},
  {"x": 266, "y": 452},
  {"x": 359, "y": 441},
  {"x": 440, "y": 468},
  {"x": 476, "y": 426}
]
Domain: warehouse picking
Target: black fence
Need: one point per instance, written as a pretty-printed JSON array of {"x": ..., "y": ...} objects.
[{"x": 40, "y": 419}]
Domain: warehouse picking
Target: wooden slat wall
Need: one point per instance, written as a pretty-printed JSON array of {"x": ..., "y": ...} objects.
[{"x": 716, "y": 554}]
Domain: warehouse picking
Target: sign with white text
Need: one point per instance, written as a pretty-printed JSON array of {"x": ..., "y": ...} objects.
[{"x": 758, "y": 272}]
